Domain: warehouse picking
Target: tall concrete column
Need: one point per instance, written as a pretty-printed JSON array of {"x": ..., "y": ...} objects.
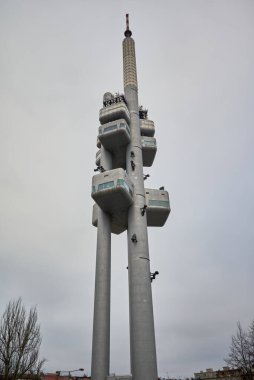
[
  {"x": 142, "y": 336},
  {"x": 101, "y": 320}
]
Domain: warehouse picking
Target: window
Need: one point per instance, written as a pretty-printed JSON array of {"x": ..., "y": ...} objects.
[
  {"x": 122, "y": 125},
  {"x": 110, "y": 128},
  {"x": 150, "y": 143},
  {"x": 153, "y": 202},
  {"x": 105, "y": 185},
  {"x": 93, "y": 189},
  {"x": 121, "y": 182}
]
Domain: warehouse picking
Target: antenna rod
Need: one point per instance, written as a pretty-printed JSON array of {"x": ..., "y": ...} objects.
[
  {"x": 127, "y": 33},
  {"x": 127, "y": 21}
]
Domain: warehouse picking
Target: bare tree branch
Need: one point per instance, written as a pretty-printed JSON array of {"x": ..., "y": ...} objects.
[
  {"x": 20, "y": 342},
  {"x": 241, "y": 353}
]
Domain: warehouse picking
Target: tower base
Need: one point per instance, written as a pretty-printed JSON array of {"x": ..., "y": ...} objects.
[{"x": 113, "y": 376}]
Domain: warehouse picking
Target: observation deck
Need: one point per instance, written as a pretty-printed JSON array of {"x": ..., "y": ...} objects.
[
  {"x": 158, "y": 207},
  {"x": 147, "y": 127},
  {"x": 114, "y": 108},
  {"x": 112, "y": 190},
  {"x": 149, "y": 149},
  {"x": 157, "y": 204},
  {"x": 114, "y": 135}
]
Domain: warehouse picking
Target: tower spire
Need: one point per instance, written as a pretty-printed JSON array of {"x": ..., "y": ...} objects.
[{"x": 127, "y": 33}]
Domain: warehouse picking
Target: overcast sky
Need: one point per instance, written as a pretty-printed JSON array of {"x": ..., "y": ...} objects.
[{"x": 195, "y": 63}]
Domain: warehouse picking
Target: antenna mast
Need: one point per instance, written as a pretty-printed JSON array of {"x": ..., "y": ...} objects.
[{"x": 127, "y": 33}]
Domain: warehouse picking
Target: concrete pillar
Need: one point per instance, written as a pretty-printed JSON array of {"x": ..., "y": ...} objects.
[
  {"x": 101, "y": 320},
  {"x": 142, "y": 336}
]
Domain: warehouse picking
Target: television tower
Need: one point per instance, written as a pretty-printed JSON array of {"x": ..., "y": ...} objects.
[{"x": 126, "y": 144}]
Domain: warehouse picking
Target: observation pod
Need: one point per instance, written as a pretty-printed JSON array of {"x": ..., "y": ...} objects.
[
  {"x": 114, "y": 135},
  {"x": 149, "y": 149},
  {"x": 115, "y": 111},
  {"x": 112, "y": 190},
  {"x": 147, "y": 127},
  {"x": 158, "y": 207}
]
